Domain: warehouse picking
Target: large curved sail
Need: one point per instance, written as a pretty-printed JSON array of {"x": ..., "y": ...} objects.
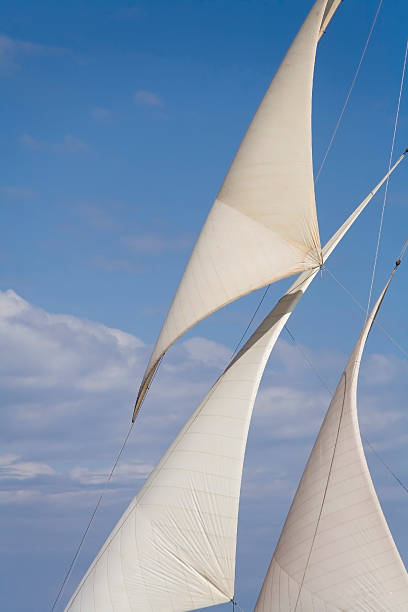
[
  {"x": 174, "y": 547},
  {"x": 336, "y": 552},
  {"x": 263, "y": 224}
]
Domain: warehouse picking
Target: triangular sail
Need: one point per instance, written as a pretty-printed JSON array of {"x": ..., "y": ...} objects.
[
  {"x": 263, "y": 225},
  {"x": 336, "y": 552},
  {"x": 174, "y": 547}
]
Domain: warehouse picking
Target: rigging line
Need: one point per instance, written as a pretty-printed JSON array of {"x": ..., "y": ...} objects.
[
  {"x": 235, "y": 603},
  {"x": 78, "y": 550},
  {"x": 250, "y": 322},
  {"x": 326, "y": 386},
  {"x": 324, "y": 495},
  {"x": 404, "y": 248},
  {"x": 384, "y": 464},
  {"x": 349, "y": 92},
  {"x": 355, "y": 300},
  {"x": 310, "y": 364},
  {"x": 388, "y": 180}
]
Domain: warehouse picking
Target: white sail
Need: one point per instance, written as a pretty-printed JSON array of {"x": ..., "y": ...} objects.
[
  {"x": 174, "y": 547},
  {"x": 263, "y": 225},
  {"x": 336, "y": 552}
]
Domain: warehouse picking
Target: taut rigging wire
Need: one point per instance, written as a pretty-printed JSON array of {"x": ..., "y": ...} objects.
[
  {"x": 78, "y": 550},
  {"x": 71, "y": 566},
  {"x": 388, "y": 180},
  {"x": 340, "y": 117}
]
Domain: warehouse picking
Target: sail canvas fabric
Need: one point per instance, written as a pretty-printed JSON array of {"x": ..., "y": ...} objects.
[
  {"x": 263, "y": 224},
  {"x": 336, "y": 552},
  {"x": 174, "y": 547}
]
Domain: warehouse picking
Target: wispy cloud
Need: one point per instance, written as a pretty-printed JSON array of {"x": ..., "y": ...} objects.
[
  {"x": 96, "y": 215},
  {"x": 12, "y": 469},
  {"x": 144, "y": 97},
  {"x": 70, "y": 143},
  {"x": 114, "y": 264},
  {"x": 156, "y": 244},
  {"x": 126, "y": 472},
  {"x": 207, "y": 351},
  {"x": 12, "y": 50},
  {"x": 100, "y": 113},
  {"x": 68, "y": 387}
]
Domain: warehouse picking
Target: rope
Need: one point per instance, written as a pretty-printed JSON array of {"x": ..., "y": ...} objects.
[
  {"x": 355, "y": 300},
  {"x": 310, "y": 364},
  {"x": 349, "y": 92},
  {"x": 331, "y": 392},
  {"x": 250, "y": 323},
  {"x": 78, "y": 550},
  {"x": 68, "y": 573},
  {"x": 387, "y": 467},
  {"x": 235, "y": 603},
  {"x": 323, "y": 500},
  {"x": 388, "y": 180}
]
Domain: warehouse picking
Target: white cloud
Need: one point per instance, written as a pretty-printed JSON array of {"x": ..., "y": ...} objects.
[
  {"x": 291, "y": 413},
  {"x": 12, "y": 469},
  {"x": 125, "y": 473},
  {"x": 53, "y": 350},
  {"x": 68, "y": 388},
  {"x": 380, "y": 369},
  {"x": 12, "y": 50},
  {"x": 148, "y": 98},
  {"x": 207, "y": 352}
]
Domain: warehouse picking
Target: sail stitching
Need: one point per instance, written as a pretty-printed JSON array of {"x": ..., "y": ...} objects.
[{"x": 325, "y": 492}]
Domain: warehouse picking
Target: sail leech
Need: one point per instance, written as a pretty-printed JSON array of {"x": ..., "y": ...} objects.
[{"x": 265, "y": 211}]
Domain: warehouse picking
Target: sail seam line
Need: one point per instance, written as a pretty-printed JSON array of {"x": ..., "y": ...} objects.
[{"x": 325, "y": 493}]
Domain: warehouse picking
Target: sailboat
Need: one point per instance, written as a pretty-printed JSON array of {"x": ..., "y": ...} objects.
[{"x": 174, "y": 547}]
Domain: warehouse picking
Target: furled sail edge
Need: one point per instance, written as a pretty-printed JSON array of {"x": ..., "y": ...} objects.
[
  {"x": 331, "y": 8},
  {"x": 326, "y": 251},
  {"x": 251, "y": 173},
  {"x": 265, "y": 338},
  {"x": 346, "y": 558}
]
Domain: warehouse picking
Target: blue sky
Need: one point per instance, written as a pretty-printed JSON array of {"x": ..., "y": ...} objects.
[{"x": 119, "y": 123}]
